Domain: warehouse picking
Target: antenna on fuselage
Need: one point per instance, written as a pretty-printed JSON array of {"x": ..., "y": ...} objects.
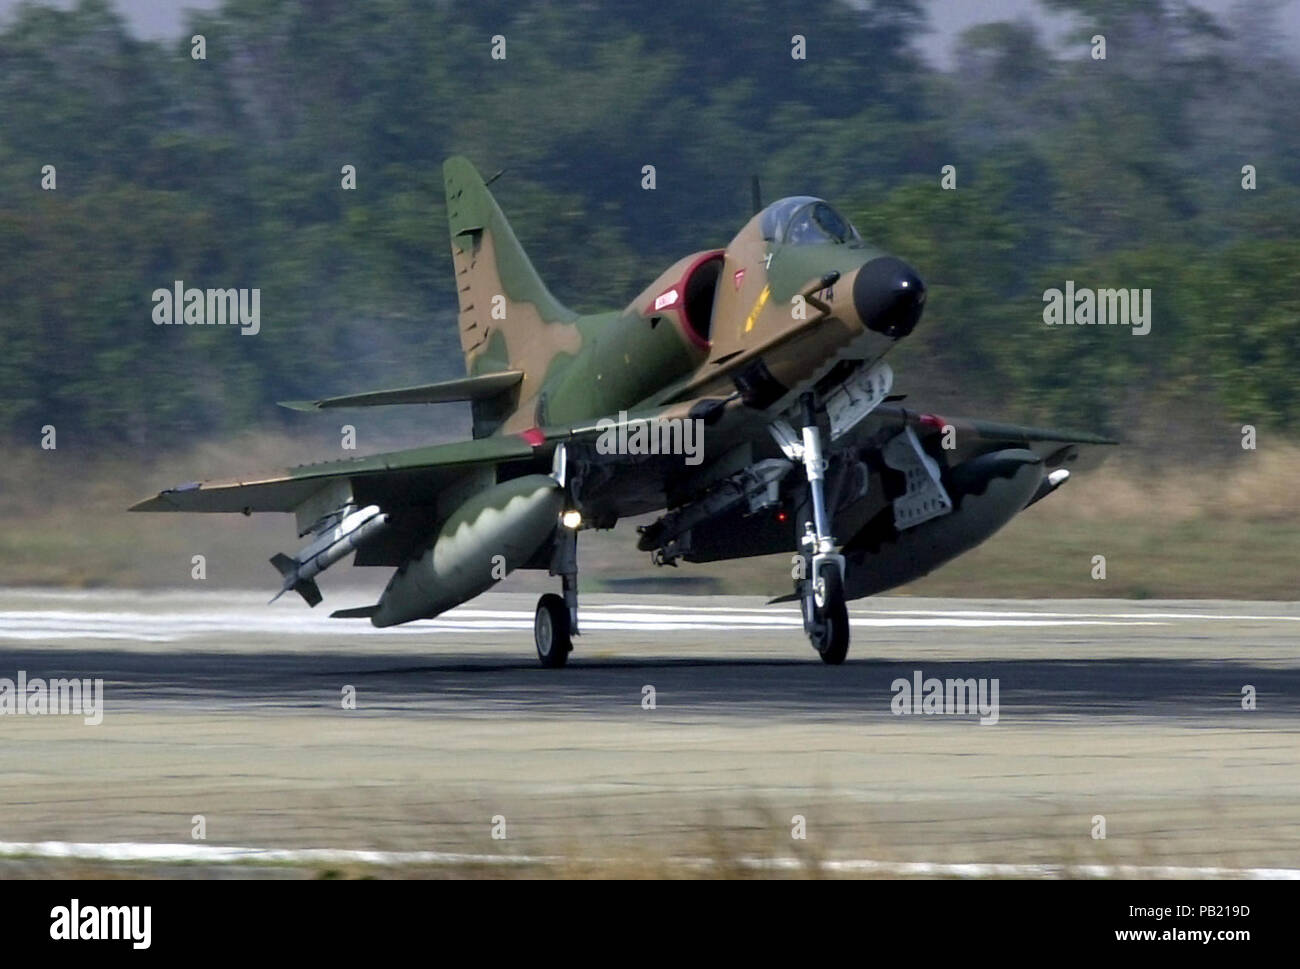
[
  {"x": 756, "y": 194},
  {"x": 494, "y": 178}
]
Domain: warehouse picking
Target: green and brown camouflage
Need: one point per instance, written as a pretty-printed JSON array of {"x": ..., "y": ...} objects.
[
  {"x": 771, "y": 346},
  {"x": 707, "y": 317}
]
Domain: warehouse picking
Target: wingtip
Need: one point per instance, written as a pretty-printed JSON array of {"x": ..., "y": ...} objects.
[
  {"x": 154, "y": 503},
  {"x": 301, "y": 405},
  {"x": 160, "y": 501}
]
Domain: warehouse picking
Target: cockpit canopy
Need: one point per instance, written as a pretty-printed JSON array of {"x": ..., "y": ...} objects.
[{"x": 802, "y": 220}]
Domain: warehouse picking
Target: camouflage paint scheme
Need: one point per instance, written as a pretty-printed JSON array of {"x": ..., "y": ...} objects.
[{"x": 716, "y": 334}]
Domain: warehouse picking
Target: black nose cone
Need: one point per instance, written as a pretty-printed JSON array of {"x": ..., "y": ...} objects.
[{"x": 889, "y": 296}]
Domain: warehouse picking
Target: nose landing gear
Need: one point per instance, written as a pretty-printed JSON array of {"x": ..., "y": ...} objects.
[{"x": 825, "y": 615}]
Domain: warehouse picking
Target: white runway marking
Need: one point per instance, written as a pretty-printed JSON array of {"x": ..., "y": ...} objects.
[
  {"x": 222, "y": 854},
  {"x": 861, "y": 608},
  {"x": 171, "y": 616},
  {"x": 171, "y": 626}
]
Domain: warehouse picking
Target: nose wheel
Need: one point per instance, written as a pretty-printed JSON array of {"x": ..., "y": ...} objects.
[{"x": 826, "y": 616}]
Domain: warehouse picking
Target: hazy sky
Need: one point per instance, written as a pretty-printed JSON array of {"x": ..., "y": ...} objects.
[{"x": 948, "y": 18}]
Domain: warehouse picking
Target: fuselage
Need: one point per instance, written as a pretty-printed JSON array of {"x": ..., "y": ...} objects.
[
  {"x": 758, "y": 322},
  {"x": 768, "y": 315}
]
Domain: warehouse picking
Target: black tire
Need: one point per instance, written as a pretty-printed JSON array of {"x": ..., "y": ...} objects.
[
  {"x": 551, "y": 633},
  {"x": 830, "y": 631}
]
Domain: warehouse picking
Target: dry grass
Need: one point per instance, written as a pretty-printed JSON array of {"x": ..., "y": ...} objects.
[{"x": 1259, "y": 486}]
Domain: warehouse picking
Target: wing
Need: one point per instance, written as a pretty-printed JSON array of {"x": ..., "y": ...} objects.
[
  {"x": 406, "y": 484},
  {"x": 973, "y": 436},
  {"x": 419, "y": 487},
  {"x": 391, "y": 480}
]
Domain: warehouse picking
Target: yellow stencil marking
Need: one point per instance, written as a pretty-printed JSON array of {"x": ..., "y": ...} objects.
[{"x": 758, "y": 307}]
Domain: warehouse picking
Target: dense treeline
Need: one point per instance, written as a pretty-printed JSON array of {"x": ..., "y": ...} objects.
[{"x": 226, "y": 172}]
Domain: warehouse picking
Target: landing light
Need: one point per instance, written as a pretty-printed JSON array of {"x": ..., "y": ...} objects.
[{"x": 571, "y": 519}]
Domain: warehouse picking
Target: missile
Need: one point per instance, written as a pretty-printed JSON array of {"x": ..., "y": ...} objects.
[{"x": 353, "y": 530}]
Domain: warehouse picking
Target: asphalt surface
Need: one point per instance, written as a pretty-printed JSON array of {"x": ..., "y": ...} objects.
[{"x": 216, "y": 704}]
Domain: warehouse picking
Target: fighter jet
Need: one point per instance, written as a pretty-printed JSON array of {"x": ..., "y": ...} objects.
[{"x": 742, "y": 397}]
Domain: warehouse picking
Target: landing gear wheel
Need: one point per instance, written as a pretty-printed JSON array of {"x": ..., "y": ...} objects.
[
  {"x": 551, "y": 631},
  {"x": 829, "y": 630}
]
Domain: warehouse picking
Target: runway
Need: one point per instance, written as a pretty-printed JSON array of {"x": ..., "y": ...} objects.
[{"x": 216, "y": 704}]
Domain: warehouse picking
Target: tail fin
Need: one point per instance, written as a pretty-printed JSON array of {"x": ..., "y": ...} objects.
[{"x": 506, "y": 311}]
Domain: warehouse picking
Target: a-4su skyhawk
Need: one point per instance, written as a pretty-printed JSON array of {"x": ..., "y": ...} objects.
[{"x": 774, "y": 344}]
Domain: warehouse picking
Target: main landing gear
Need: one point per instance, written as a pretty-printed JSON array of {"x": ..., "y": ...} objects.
[
  {"x": 556, "y": 620},
  {"x": 825, "y": 615},
  {"x": 552, "y": 631}
]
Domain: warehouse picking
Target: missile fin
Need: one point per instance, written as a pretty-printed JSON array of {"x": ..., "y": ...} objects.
[{"x": 309, "y": 590}]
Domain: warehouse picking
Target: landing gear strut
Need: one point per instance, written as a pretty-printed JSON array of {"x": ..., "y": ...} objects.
[
  {"x": 556, "y": 620},
  {"x": 825, "y": 615}
]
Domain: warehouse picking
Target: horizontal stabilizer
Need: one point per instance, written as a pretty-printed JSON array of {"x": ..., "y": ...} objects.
[
  {"x": 360, "y": 612},
  {"x": 446, "y": 391}
]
